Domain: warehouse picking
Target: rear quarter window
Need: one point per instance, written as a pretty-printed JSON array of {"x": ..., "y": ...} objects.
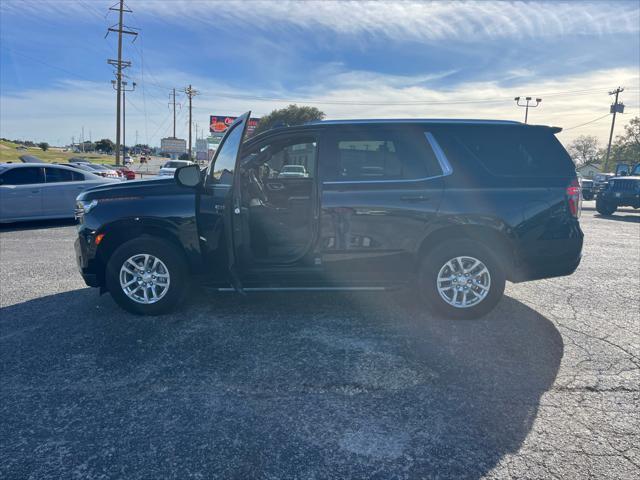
[{"x": 514, "y": 151}]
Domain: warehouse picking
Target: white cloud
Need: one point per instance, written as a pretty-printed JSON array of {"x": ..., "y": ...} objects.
[
  {"x": 60, "y": 111},
  {"x": 467, "y": 21}
]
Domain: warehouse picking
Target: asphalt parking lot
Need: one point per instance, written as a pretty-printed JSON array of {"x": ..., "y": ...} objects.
[{"x": 324, "y": 385}]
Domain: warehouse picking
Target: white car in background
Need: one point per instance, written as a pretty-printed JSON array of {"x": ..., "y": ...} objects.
[
  {"x": 169, "y": 168},
  {"x": 32, "y": 191},
  {"x": 293, "y": 171}
]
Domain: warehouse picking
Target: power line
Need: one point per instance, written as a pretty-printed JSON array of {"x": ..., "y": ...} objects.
[{"x": 586, "y": 123}]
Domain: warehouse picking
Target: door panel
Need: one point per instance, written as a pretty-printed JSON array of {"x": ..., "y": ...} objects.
[
  {"x": 381, "y": 189},
  {"x": 372, "y": 231},
  {"x": 21, "y": 194},
  {"x": 21, "y": 201}
]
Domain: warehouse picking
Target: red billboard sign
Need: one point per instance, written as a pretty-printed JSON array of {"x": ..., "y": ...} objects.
[{"x": 218, "y": 124}]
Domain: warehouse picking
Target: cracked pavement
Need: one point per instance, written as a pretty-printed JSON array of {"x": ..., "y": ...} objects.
[{"x": 319, "y": 386}]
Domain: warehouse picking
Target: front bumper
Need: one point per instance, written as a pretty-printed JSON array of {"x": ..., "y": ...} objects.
[
  {"x": 88, "y": 265},
  {"x": 621, "y": 199}
]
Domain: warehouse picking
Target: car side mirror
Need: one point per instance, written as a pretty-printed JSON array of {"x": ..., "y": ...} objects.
[{"x": 188, "y": 176}]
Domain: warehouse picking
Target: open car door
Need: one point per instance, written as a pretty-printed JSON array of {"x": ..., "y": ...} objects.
[{"x": 224, "y": 168}]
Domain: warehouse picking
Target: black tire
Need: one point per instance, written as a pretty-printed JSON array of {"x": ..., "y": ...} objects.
[
  {"x": 438, "y": 257},
  {"x": 605, "y": 207},
  {"x": 162, "y": 250}
]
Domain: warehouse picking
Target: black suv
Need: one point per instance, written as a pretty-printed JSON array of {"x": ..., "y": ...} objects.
[
  {"x": 453, "y": 208},
  {"x": 623, "y": 190}
]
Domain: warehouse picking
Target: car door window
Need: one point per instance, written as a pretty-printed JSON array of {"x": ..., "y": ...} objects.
[
  {"x": 22, "y": 176},
  {"x": 381, "y": 154},
  {"x": 54, "y": 175},
  {"x": 295, "y": 159}
]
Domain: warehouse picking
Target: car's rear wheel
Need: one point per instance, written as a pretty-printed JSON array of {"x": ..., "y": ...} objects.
[
  {"x": 604, "y": 207},
  {"x": 147, "y": 276},
  {"x": 461, "y": 280}
]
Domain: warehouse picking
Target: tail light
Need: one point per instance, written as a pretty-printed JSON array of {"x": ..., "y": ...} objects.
[{"x": 574, "y": 196}]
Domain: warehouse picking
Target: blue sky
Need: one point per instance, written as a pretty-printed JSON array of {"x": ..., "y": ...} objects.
[{"x": 351, "y": 59}]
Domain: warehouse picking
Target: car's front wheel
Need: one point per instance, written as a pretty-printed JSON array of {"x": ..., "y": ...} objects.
[
  {"x": 147, "y": 276},
  {"x": 461, "y": 279},
  {"x": 605, "y": 207}
]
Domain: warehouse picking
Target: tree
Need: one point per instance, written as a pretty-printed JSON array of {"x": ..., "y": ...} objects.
[
  {"x": 44, "y": 146},
  {"x": 289, "y": 116},
  {"x": 585, "y": 150},
  {"x": 105, "y": 145},
  {"x": 626, "y": 148}
]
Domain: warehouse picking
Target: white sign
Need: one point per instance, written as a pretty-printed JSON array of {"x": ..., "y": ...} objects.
[{"x": 173, "y": 145}]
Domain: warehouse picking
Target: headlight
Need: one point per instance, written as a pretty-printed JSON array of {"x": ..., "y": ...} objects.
[{"x": 84, "y": 207}]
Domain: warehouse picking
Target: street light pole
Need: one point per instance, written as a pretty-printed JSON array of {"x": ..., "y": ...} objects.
[{"x": 527, "y": 105}]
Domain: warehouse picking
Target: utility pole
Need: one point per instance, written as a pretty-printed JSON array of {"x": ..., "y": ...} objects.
[
  {"x": 83, "y": 139},
  {"x": 527, "y": 105},
  {"x": 123, "y": 89},
  {"x": 119, "y": 64},
  {"x": 190, "y": 93},
  {"x": 615, "y": 108},
  {"x": 174, "y": 111}
]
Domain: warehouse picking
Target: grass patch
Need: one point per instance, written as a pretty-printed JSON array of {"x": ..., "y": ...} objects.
[{"x": 9, "y": 153}]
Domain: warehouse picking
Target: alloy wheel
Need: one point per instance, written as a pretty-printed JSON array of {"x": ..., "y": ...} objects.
[
  {"x": 463, "y": 282},
  {"x": 144, "y": 278}
]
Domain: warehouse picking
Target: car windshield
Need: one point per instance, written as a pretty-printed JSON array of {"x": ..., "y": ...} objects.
[{"x": 636, "y": 170}]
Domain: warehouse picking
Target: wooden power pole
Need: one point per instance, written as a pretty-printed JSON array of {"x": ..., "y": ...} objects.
[
  {"x": 615, "y": 108},
  {"x": 190, "y": 93},
  {"x": 119, "y": 64}
]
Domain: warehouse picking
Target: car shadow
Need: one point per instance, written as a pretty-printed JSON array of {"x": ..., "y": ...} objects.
[
  {"x": 621, "y": 216},
  {"x": 36, "y": 225},
  {"x": 270, "y": 385}
]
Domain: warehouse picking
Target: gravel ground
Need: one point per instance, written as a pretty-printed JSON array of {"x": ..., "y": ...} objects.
[{"x": 324, "y": 385}]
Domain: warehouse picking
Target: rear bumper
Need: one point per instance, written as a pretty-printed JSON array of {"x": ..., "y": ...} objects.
[{"x": 554, "y": 258}]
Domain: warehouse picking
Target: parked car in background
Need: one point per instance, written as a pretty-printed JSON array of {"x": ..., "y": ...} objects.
[
  {"x": 97, "y": 170},
  {"x": 127, "y": 160},
  {"x": 621, "y": 191},
  {"x": 169, "y": 168},
  {"x": 451, "y": 209},
  {"x": 293, "y": 171},
  {"x": 30, "y": 159},
  {"x": 125, "y": 171},
  {"x": 78, "y": 160},
  {"x": 588, "y": 192},
  {"x": 42, "y": 191},
  {"x": 600, "y": 181}
]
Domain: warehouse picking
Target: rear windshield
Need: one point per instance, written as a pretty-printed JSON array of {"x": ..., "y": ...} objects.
[{"x": 515, "y": 151}]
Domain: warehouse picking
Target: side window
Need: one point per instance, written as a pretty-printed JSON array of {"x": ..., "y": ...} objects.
[
  {"x": 22, "y": 176},
  {"x": 290, "y": 160},
  {"x": 383, "y": 154},
  {"x": 54, "y": 175},
  {"x": 514, "y": 151},
  {"x": 225, "y": 162}
]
